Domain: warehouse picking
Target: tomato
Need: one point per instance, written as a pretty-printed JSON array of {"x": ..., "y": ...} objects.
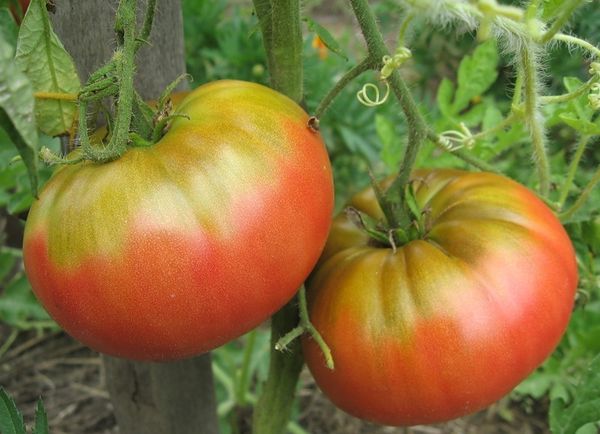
[
  {"x": 175, "y": 249},
  {"x": 448, "y": 323}
]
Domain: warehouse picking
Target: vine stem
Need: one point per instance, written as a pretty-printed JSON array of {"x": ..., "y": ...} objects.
[
  {"x": 417, "y": 128},
  {"x": 245, "y": 370},
  {"x": 354, "y": 72},
  {"x": 582, "y": 197},
  {"x": 555, "y": 99},
  {"x": 568, "y": 7},
  {"x": 576, "y": 41},
  {"x": 508, "y": 120},
  {"x": 282, "y": 38},
  {"x": 534, "y": 118},
  {"x": 564, "y": 192}
]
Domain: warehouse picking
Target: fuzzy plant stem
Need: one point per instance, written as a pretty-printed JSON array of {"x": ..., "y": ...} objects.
[{"x": 534, "y": 117}]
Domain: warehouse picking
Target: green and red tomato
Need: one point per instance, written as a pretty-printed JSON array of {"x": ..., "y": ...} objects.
[
  {"x": 177, "y": 248},
  {"x": 450, "y": 322}
]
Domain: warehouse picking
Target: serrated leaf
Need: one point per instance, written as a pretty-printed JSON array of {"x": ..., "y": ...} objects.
[
  {"x": 476, "y": 74},
  {"x": 16, "y": 111},
  {"x": 585, "y": 408},
  {"x": 583, "y": 126},
  {"x": 11, "y": 420},
  {"x": 41, "y": 420},
  {"x": 326, "y": 37},
  {"x": 41, "y": 55}
]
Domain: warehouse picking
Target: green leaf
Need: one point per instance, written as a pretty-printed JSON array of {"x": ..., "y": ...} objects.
[
  {"x": 580, "y": 104},
  {"x": 41, "y": 55},
  {"x": 445, "y": 93},
  {"x": 18, "y": 305},
  {"x": 16, "y": 111},
  {"x": 11, "y": 420},
  {"x": 391, "y": 153},
  {"x": 583, "y": 126},
  {"x": 41, "y": 420},
  {"x": 325, "y": 37},
  {"x": 585, "y": 408},
  {"x": 551, "y": 8},
  {"x": 476, "y": 74},
  {"x": 8, "y": 28}
]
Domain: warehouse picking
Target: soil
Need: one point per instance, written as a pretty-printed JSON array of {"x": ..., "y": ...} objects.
[{"x": 70, "y": 377}]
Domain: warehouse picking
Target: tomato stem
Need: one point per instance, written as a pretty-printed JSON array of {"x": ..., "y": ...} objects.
[
  {"x": 399, "y": 216},
  {"x": 282, "y": 38},
  {"x": 305, "y": 326},
  {"x": 533, "y": 116},
  {"x": 350, "y": 75}
]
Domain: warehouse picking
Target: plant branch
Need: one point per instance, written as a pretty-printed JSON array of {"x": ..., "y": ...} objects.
[
  {"x": 147, "y": 26},
  {"x": 282, "y": 35},
  {"x": 534, "y": 117},
  {"x": 554, "y": 99},
  {"x": 350, "y": 75},
  {"x": 567, "y": 9},
  {"x": 417, "y": 128},
  {"x": 582, "y": 197},
  {"x": 564, "y": 191},
  {"x": 595, "y": 51}
]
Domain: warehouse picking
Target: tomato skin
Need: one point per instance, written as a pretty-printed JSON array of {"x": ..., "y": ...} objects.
[
  {"x": 452, "y": 322},
  {"x": 175, "y": 249}
]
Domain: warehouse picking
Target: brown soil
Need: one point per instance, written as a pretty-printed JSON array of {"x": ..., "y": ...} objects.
[{"x": 70, "y": 378}]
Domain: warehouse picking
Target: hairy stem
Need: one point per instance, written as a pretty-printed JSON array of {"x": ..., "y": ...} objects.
[
  {"x": 534, "y": 117},
  {"x": 595, "y": 51}
]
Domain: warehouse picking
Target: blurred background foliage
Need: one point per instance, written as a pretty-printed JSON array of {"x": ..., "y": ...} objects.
[{"x": 222, "y": 40}]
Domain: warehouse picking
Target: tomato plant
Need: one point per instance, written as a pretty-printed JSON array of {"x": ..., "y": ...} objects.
[
  {"x": 174, "y": 249},
  {"x": 451, "y": 321}
]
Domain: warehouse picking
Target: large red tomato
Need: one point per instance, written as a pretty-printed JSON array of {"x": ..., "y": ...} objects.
[
  {"x": 449, "y": 323},
  {"x": 175, "y": 249}
]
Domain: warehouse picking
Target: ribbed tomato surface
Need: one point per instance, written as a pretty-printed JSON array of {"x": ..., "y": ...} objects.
[
  {"x": 175, "y": 249},
  {"x": 449, "y": 323}
]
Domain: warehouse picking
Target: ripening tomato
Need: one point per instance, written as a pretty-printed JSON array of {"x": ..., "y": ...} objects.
[
  {"x": 175, "y": 249},
  {"x": 448, "y": 323}
]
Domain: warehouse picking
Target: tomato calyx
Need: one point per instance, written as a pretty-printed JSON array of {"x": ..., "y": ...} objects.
[{"x": 381, "y": 233}]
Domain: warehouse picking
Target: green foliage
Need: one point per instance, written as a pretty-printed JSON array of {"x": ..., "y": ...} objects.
[
  {"x": 222, "y": 42},
  {"x": 42, "y": 57},
  {"x": 584, "y": 408},
  {"x": 18, "y": 306},
  {"x": 11, "y": 420},
  {"x": 16, "y": 111}
]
